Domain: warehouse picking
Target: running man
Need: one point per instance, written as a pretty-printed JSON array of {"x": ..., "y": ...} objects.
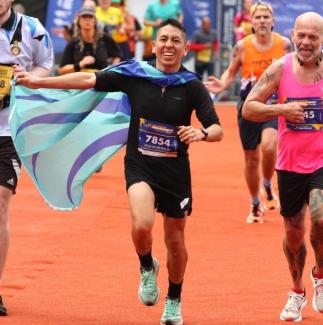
[
  {"x": 156, "y": 163},
  {"x": 252, "y": 55},
  {"x": 298, "y": 78},
  {"x": 25, "y": 44}
]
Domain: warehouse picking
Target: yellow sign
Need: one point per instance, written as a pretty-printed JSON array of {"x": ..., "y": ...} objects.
[{"x": 5, "y": 78}]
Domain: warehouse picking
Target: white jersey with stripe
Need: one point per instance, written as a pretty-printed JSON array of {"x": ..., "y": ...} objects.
[{"x": 35, "y": 45}]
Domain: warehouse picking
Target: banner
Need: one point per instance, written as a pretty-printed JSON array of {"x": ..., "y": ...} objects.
[
  {"x": 286, "y": 11},
  {"x": 60, "y": 13},
  {"x": 227, "y": 9},
  {"x": 194, "y": 11}
]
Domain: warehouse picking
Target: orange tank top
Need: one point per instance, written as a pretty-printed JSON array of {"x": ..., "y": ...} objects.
[{"x": 255, "y": 62}]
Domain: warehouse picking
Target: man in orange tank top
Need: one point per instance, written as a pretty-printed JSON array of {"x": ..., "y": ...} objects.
[
  {"x": 251, "y": 56},
  {"x": 298, "y": 77}
]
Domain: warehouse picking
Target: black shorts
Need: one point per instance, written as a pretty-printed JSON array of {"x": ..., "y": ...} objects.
[
  {"x": 173, "y": 193},
  {"x": 294, "y": 189},
  {"x": 10, "y": 164},
  {"x": 250, "y": 131}
]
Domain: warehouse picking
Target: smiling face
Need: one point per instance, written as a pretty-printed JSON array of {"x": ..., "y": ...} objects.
[
  {"x": 170, "y": 47},
  {"x": 307, "y": 37}
]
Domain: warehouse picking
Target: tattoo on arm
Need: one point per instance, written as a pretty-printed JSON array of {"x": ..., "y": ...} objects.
[{"x": 235, "y": 51}]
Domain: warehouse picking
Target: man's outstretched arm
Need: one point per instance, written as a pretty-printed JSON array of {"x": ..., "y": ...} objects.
[{"x": 77, "y": 80}]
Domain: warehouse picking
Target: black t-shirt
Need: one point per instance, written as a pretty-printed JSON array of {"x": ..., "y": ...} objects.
[
  {"x": 173, "y": 106},
  {"x": 106, "y": 49}
]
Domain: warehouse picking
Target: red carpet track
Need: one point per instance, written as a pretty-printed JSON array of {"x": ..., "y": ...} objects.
[{"x": 81, "y": 268}]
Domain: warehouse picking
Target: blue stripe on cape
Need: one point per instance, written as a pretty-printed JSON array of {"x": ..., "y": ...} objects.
[{"x": 63, "y": 136}]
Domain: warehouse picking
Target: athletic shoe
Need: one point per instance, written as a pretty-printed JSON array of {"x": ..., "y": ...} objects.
[
  {"x": 148, "y": 291},
  {"x": 256, "y": 214},
  {"x": 317, "y": 301},
  {"x": 172, "y": 312},
  {"x": 271, "y": 201},
  {"x": 3, "y": 309},
  {"x": 293, "y": 309}
]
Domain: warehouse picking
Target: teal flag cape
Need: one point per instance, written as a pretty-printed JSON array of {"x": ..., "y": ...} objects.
[{"x": 64, "y": 136}]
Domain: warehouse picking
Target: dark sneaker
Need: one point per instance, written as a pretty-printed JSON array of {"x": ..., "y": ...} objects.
[
  {"x": 271, "y": 201},
  {"x": 256, "y": 214},
  {"x": 3, "y": 309}
]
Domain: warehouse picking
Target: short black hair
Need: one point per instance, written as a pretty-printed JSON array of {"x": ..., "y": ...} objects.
[{"x": 175, "y": 23}]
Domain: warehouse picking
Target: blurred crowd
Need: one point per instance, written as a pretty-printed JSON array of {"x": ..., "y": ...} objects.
[{"x": 105, "y": 32}]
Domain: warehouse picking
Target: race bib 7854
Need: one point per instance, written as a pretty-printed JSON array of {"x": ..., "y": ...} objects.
[{"x": 157, "y": 139}]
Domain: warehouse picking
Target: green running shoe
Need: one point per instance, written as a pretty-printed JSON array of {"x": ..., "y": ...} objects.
[
  {"x": 148, "y": 291},
  {"x": 172, "y": 312}
]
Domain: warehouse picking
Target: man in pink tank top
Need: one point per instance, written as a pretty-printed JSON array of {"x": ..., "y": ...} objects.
[{"x": 298, "y": 77}]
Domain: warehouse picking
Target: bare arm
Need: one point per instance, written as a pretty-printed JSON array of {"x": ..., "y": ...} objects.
[
  {"x": 255, "y": 109},
  {"x": 77, "y": 80},
  {"x": 229, "y": 75},
  {"x": 36, "y": 71},
  {"x": 68, "y": 68},
  {"x": 153, "y": 23}
]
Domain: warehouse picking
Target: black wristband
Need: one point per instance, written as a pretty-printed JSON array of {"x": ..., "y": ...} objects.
[
  {"x": 77, "y": 66},
  {"x": 205, "y": 132}
]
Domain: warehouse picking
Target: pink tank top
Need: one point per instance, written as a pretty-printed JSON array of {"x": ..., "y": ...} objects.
[{"x": 300, "y": 146}]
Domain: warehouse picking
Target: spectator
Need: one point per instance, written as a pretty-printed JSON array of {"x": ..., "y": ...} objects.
[
  {"x": 133, "y": 28},
  {"x": 205, "y": 44},
  {"x": 147, "y": 37},
  {"x": 90, "y": 49},
  {"x": 242, "y": 21},
  {"x": 129, "y": 32},
  {"x": 159, "y": 10}
]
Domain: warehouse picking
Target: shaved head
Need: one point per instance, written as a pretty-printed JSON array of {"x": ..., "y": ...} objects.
[
  {"x": 311, "y": 19},
  {"x": 307, "y": 36}
]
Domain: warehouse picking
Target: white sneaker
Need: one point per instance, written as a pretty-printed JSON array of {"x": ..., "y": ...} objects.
[
  {"x": 148, "y": 291},
  {"x": 256, "y": 214},
  {"x": 317, "y": 301},
  {"x": 293, "y": 309}
]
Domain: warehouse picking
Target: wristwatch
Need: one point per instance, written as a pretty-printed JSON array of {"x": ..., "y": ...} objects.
[{"x": 205, "y": 133}]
